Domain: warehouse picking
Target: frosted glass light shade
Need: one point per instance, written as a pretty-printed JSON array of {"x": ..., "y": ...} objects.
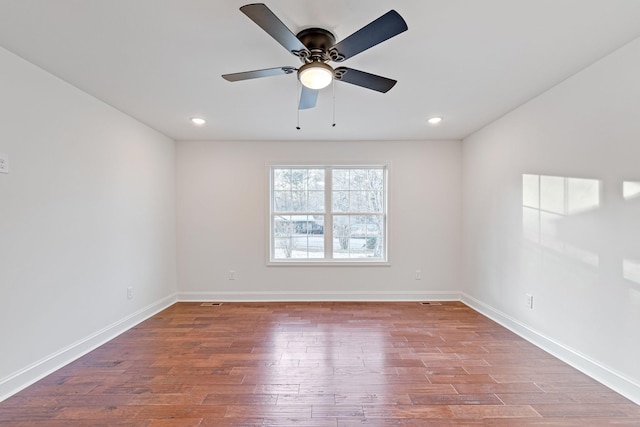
[{"x": 315, "y": 75}]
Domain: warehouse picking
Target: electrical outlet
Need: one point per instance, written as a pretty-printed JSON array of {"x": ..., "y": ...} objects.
[
  {"x": 130, "y": 292},
  {"x": 232, "y": 275},
  {"x": 418, "y": 275},
  {"x": 4, "y": 163},
  {"x": 529, "y": 300}
]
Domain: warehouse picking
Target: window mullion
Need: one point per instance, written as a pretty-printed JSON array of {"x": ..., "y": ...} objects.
[{"x": 328, "y": 217}]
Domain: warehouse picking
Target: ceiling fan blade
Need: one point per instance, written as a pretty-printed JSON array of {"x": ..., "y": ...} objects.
[
  {"x": 366, "y": 80},
  {"x": 267, "y": 72},
  {"x": 308, "y": 98},
  {"x": 388, "y": 25},
  {"x": 269, "y": 22}
]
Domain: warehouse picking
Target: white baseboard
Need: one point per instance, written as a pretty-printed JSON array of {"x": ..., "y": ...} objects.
[
  {"x": 601, "y": 373},
  {"x": 25, "y": 377},
  {"x": 310, "y": 296}
]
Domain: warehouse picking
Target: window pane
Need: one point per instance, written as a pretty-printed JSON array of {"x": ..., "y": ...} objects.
[
  {"x": 358, "y": 179},
  {"x": 358, "y": 201},
  {"x": 299, "y": 236},
  {"x": 358, "y": 236},
  {"x": 341, "y": 235},
  {"x": 316, "y": 201},
  {"x": 298, "y": 179},
  {"x": 280, "y": 180},
  {"x": 358, "y": 190},
  {"x": 365, "y": 225},
  {"x": 282, "y": 247},
  {"x": 289, "y": 179},
  {"x": 298, "y": 190},
  {"x": 316, "y": 244},
  {"x": 283, "y": 226},
  {"x": 340, "y": 179},
  {"x": 376, "y": 180},
  {"x": 375, "y": 201},
  {"x": 315, "y": 179},
  {"x": 366, "y": 201},
  {"x": 299, "y": 247},
  {"x": 298, "y": 201},
  {"x": 282, "y": 201},
  {"x": 340, "y": 201},
  {"x": 341, "y": 225}
]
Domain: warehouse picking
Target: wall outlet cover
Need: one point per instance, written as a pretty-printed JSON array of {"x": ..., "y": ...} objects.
[
  {"x": 529, "y": 301},
  {"x": 4, "y": 163}
]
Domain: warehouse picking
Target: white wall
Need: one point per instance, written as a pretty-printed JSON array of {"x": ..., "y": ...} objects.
[
  {"x": 222, "y": 211},
  {"x": 583, "y": 268},
  {"x": 86, "y": 211}
]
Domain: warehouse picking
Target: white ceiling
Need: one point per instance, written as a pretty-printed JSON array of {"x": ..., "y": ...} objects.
[{"x": 160, "y": 61}]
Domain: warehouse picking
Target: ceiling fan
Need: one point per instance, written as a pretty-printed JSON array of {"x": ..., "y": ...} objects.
[{"x": 315, "y": 47}]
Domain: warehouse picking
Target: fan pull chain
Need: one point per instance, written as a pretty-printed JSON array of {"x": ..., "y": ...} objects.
[
  {"x": 298, "y": 94},
  {"x": 333, "y": 84}
]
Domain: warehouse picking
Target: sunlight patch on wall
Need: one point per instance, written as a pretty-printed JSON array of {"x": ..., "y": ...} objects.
[
  {"x": 631, "y": 270},
  {"x": 547, "y": 201},
  {"x": 630, "y": 189}
]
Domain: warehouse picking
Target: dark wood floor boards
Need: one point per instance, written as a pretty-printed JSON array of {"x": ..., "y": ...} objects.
[{"x": 318, "y": 364}]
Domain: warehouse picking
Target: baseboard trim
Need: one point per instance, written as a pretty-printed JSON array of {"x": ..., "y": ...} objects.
[
  {"x": 599, "y": 372},
  {"x": 312, "y": 296},
  {"x": 25, "y": 377}
]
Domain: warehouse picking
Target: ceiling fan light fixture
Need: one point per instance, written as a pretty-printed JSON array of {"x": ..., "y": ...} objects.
[{"x": 315, "y": 75}]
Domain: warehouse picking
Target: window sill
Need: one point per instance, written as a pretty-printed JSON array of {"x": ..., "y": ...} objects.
[{"x": 332, "y": 263}]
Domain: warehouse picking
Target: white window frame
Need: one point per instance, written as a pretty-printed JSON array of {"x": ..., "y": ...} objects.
[{"x": 328, "y": 218}]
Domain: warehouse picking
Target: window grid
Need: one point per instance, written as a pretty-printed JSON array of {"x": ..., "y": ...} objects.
[{"x": 332, "y": 233}]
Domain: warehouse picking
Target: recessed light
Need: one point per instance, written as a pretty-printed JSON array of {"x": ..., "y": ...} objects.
[
  {"x": 434, "y": 120},
  {"x": 198, "y": 121}
]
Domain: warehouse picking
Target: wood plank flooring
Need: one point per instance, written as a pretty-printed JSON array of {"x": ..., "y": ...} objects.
[{"x": 318, "y": 364}]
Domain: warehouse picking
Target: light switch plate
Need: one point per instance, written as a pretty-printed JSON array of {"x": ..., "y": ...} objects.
[{"x": 4, "y": 163}]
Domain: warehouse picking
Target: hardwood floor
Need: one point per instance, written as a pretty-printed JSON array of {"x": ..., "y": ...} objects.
[{"x": 318, "y": 364}]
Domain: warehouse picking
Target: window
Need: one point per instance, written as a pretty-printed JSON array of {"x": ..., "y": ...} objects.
[{"x": 328, "y": 214}]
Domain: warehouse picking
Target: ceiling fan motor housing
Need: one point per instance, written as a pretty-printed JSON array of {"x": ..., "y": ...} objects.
[{"x": 318, "y": 41}]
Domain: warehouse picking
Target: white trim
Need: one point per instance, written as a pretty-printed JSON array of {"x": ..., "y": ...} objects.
[
  {"x": 23, "y": 378},
  {"x": 328, "y": 214},
  {"x": 308, "y": 296},
  {"x": 594, "y": 369},
  {"x": 348, "y": 262}
]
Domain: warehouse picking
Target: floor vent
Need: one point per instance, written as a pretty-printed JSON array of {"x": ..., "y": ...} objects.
[
  {"x": 430, "y": 303},
  {"x": 211, "y": 304}
]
